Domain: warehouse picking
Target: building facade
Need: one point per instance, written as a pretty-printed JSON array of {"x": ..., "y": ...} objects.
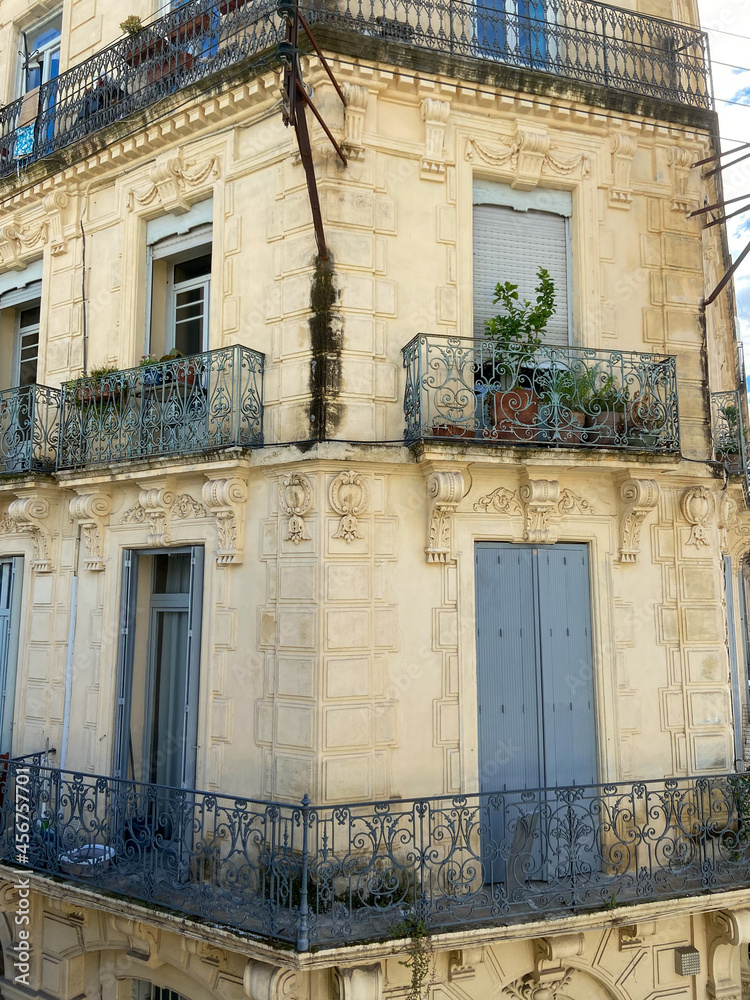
[{"x": 334, "y": 634}]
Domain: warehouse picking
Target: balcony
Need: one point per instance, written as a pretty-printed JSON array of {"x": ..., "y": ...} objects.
[
  {"x": 179, "y": 407},
  {"x": 470, "y": 390},
  {"x": 580, "y": 41},
  {"x": 729, "y": 433},
  {"x": 29, "y": 425},
  {"x": 319, "y": 876}
]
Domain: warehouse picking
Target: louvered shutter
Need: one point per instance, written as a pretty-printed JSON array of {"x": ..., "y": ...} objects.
[{"x": 512, "y": 246}]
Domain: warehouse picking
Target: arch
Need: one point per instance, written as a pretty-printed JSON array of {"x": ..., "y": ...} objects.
[{"x": 586, "y": 985}]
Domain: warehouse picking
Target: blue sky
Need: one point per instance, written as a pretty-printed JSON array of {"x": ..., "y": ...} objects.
[{"x": 725, "y": 20}]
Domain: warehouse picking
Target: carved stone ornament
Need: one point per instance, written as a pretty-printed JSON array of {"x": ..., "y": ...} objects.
[
  {"x": 697, "y": 505},
  {"x": 22, "y": 241},
  {"x": 680, "y": 161},
  {"x": 540, "y": 499},
  {"x": 728, "y": 931},
  {"x": 143, "y": 941},
  {"x": 295, "y": 497},
  {"x": 91, "y": 511},
  {"x": 435, "y": 117},
  {"x": 226, "y": 499},
  {"x": 171, "y": 179},
  {"x": 530, "y": 988},
  {"x": 462, "y": 964},
  {"x": 361, "y": 982},
  {"x": 501, "y": 501},
  {"x": 623, "y": 149},
  {"x": 157, "y": 505},
  {"x": 637, "y": 498},
  {"x": 445, "y": 490},
  {"x": 263, "y": 981},
  {"x": 27, "y": 516},
  {"x": 348, "y": 495},
  {"x": 354, "y": 118},
  {"x": 59, "y": 206},
  {"x": 528, "y": 156}
]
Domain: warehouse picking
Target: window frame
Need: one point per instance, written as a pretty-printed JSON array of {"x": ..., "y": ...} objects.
[
  {"x": 17, "y": 360},
  {"x": 176, "y": 249},
  {"x": 46, "y": 50}
]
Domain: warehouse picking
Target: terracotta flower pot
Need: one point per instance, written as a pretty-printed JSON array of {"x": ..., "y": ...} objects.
[{"x": 512, "y": 410}]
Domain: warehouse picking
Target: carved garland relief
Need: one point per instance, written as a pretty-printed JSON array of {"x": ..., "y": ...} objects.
[
  {"x": 348, "y": 496},
  {"x": 295, "y": 497}
]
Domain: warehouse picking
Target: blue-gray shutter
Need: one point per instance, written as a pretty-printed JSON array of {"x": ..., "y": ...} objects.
[
  {"x": 7, "y": 659},
  {"x": 508, "y": 688},
  {"x": 567, "y": 668}
]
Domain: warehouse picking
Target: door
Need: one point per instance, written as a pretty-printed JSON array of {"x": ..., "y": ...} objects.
[
  {"x": 157, "y": 707},
  {"x": 10, "y": 600},
  {"x": 536, "y": 709},
  {"x": 516, "y": 30}
]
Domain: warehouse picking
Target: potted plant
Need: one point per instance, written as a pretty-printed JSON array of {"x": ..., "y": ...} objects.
[
  {"x": 152, "y": 375},
  {"x": 606, "y": 412},
  {"x": 517, "y": 335},
  {"x": 230, "y": 6},
  {"x": 162, "y": 54},
  {"x": 99, "y": 386},
  {"x": 568, "y": 402},
  {"x": 728, "y": 442}
]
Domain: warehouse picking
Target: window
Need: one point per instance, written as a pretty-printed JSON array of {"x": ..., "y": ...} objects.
[
  {"x": 514, "y": 28},
  {"x": 179, "y": 271},
  {"x": 147, "y": 991},
  {"x": 40, "y": 53},
  {"x": 516, "y": 233},
  {"x": 27, "y": 340},
  {"x": 20, "y": 293}
]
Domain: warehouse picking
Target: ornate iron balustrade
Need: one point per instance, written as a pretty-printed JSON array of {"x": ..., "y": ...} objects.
[
  {"x": 577, "y": 39},
  {"x": 473, "y": 390},
  {"x": 29, "y": 425},
  {"x": 729, "y": 435},
  {"x": 310, "y": 875},
  {"x": 183, "y": 406}
]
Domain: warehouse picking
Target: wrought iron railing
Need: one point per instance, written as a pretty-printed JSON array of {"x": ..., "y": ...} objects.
[
  {"x": 576, "y": 39},
  {"x": 320, "y": 875},
  {"x": 181, "y": 406},
  {"x": 29, "y": 425},
  {"x": 467, "y": 389},
  {"x": 729, "y": 433}
]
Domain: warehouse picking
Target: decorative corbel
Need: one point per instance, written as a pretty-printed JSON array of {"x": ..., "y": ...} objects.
[
  {"x": 361, "y": 982},
  {"x": 637, "y": 498},
  {"x": 155, "y": 506},
  {"x": 541, "y": 498},
  {"x": 729, "y": 932},
  {"x": 553, "y": 954},
  {"x": 27, "y": 516},
  {"x": 91, "y": 510},
  {"x": 58, "y": 207},
  {"x": 435, "y": 117},
  {"x": 623, "y": 149},
  {"x": 463, "y": 964},
  {"x": 143, "y": 941},
  {"x": 445, "y": 490},
  {"x": 170, "y": 179},
  {"x": 697, "y": 505},
  {"x": 226, "y": 499},
  {"x": 263, "y": 981},
  {"x": 348, "y": 494},
  {"x": 634, "y": 935},
  {"x": 681, "y": 161},
  {"x": 23, "y": 241},
  {"x": 529, "y": 988},
  {"x": 533, "y": 149},
  {"x": 295, "y": 497},
  {"x": 354, "y": 119}
]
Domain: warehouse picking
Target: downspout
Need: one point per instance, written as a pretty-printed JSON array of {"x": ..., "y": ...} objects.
[{"x": 69, "y": 658}]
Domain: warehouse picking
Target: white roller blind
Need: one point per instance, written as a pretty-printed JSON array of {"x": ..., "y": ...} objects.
[{"x": 512, "y": 246}]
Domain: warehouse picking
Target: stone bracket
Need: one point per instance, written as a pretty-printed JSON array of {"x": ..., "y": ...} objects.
[
  {"x": 92, "y": 510},
  {"x": 225, "y": 500},
  {"x": 637, "y": 498},
  {"x": 27, "y": 515},
  {"x": 354, "y": 119},
  {"x": 263, "y": 981},
  {"x": 435, "y": 116},
  {"x": 445, "y": 490},
  {"x": 361, "y": 982},
  {"x": 623, "y": 149},
  {"x": 171, "y": 179},
  {"x": 541, "y": 498}
]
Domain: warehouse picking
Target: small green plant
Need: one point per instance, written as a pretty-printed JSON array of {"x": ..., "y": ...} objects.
[
  {"x": 611, "y": 903},
  {"x": 102, "y": 371},
  {"x": 419, "y": 952},
  {"x": 148, "y": 359},
  {"x": 608, "y": 397},
  {"x": 131, "y": 25},
  {"x": 519, "y": 328},
  {"x": 574, "y": 389}
]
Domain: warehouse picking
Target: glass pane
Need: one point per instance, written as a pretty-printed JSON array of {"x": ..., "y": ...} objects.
[
  {"x": 172, "y": 573},
  {"x": 170, "y": 693},
  {"x": 29, "y": 317},
  {"x": 197, "y": 267},
  {"x": 29, "y": 354}
]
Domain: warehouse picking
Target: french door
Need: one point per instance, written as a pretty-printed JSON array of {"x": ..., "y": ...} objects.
[
  {"x": 517, "y": 30},
  {"x": 535, "y": 683},
  {"x": 10, "y": 601}
]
